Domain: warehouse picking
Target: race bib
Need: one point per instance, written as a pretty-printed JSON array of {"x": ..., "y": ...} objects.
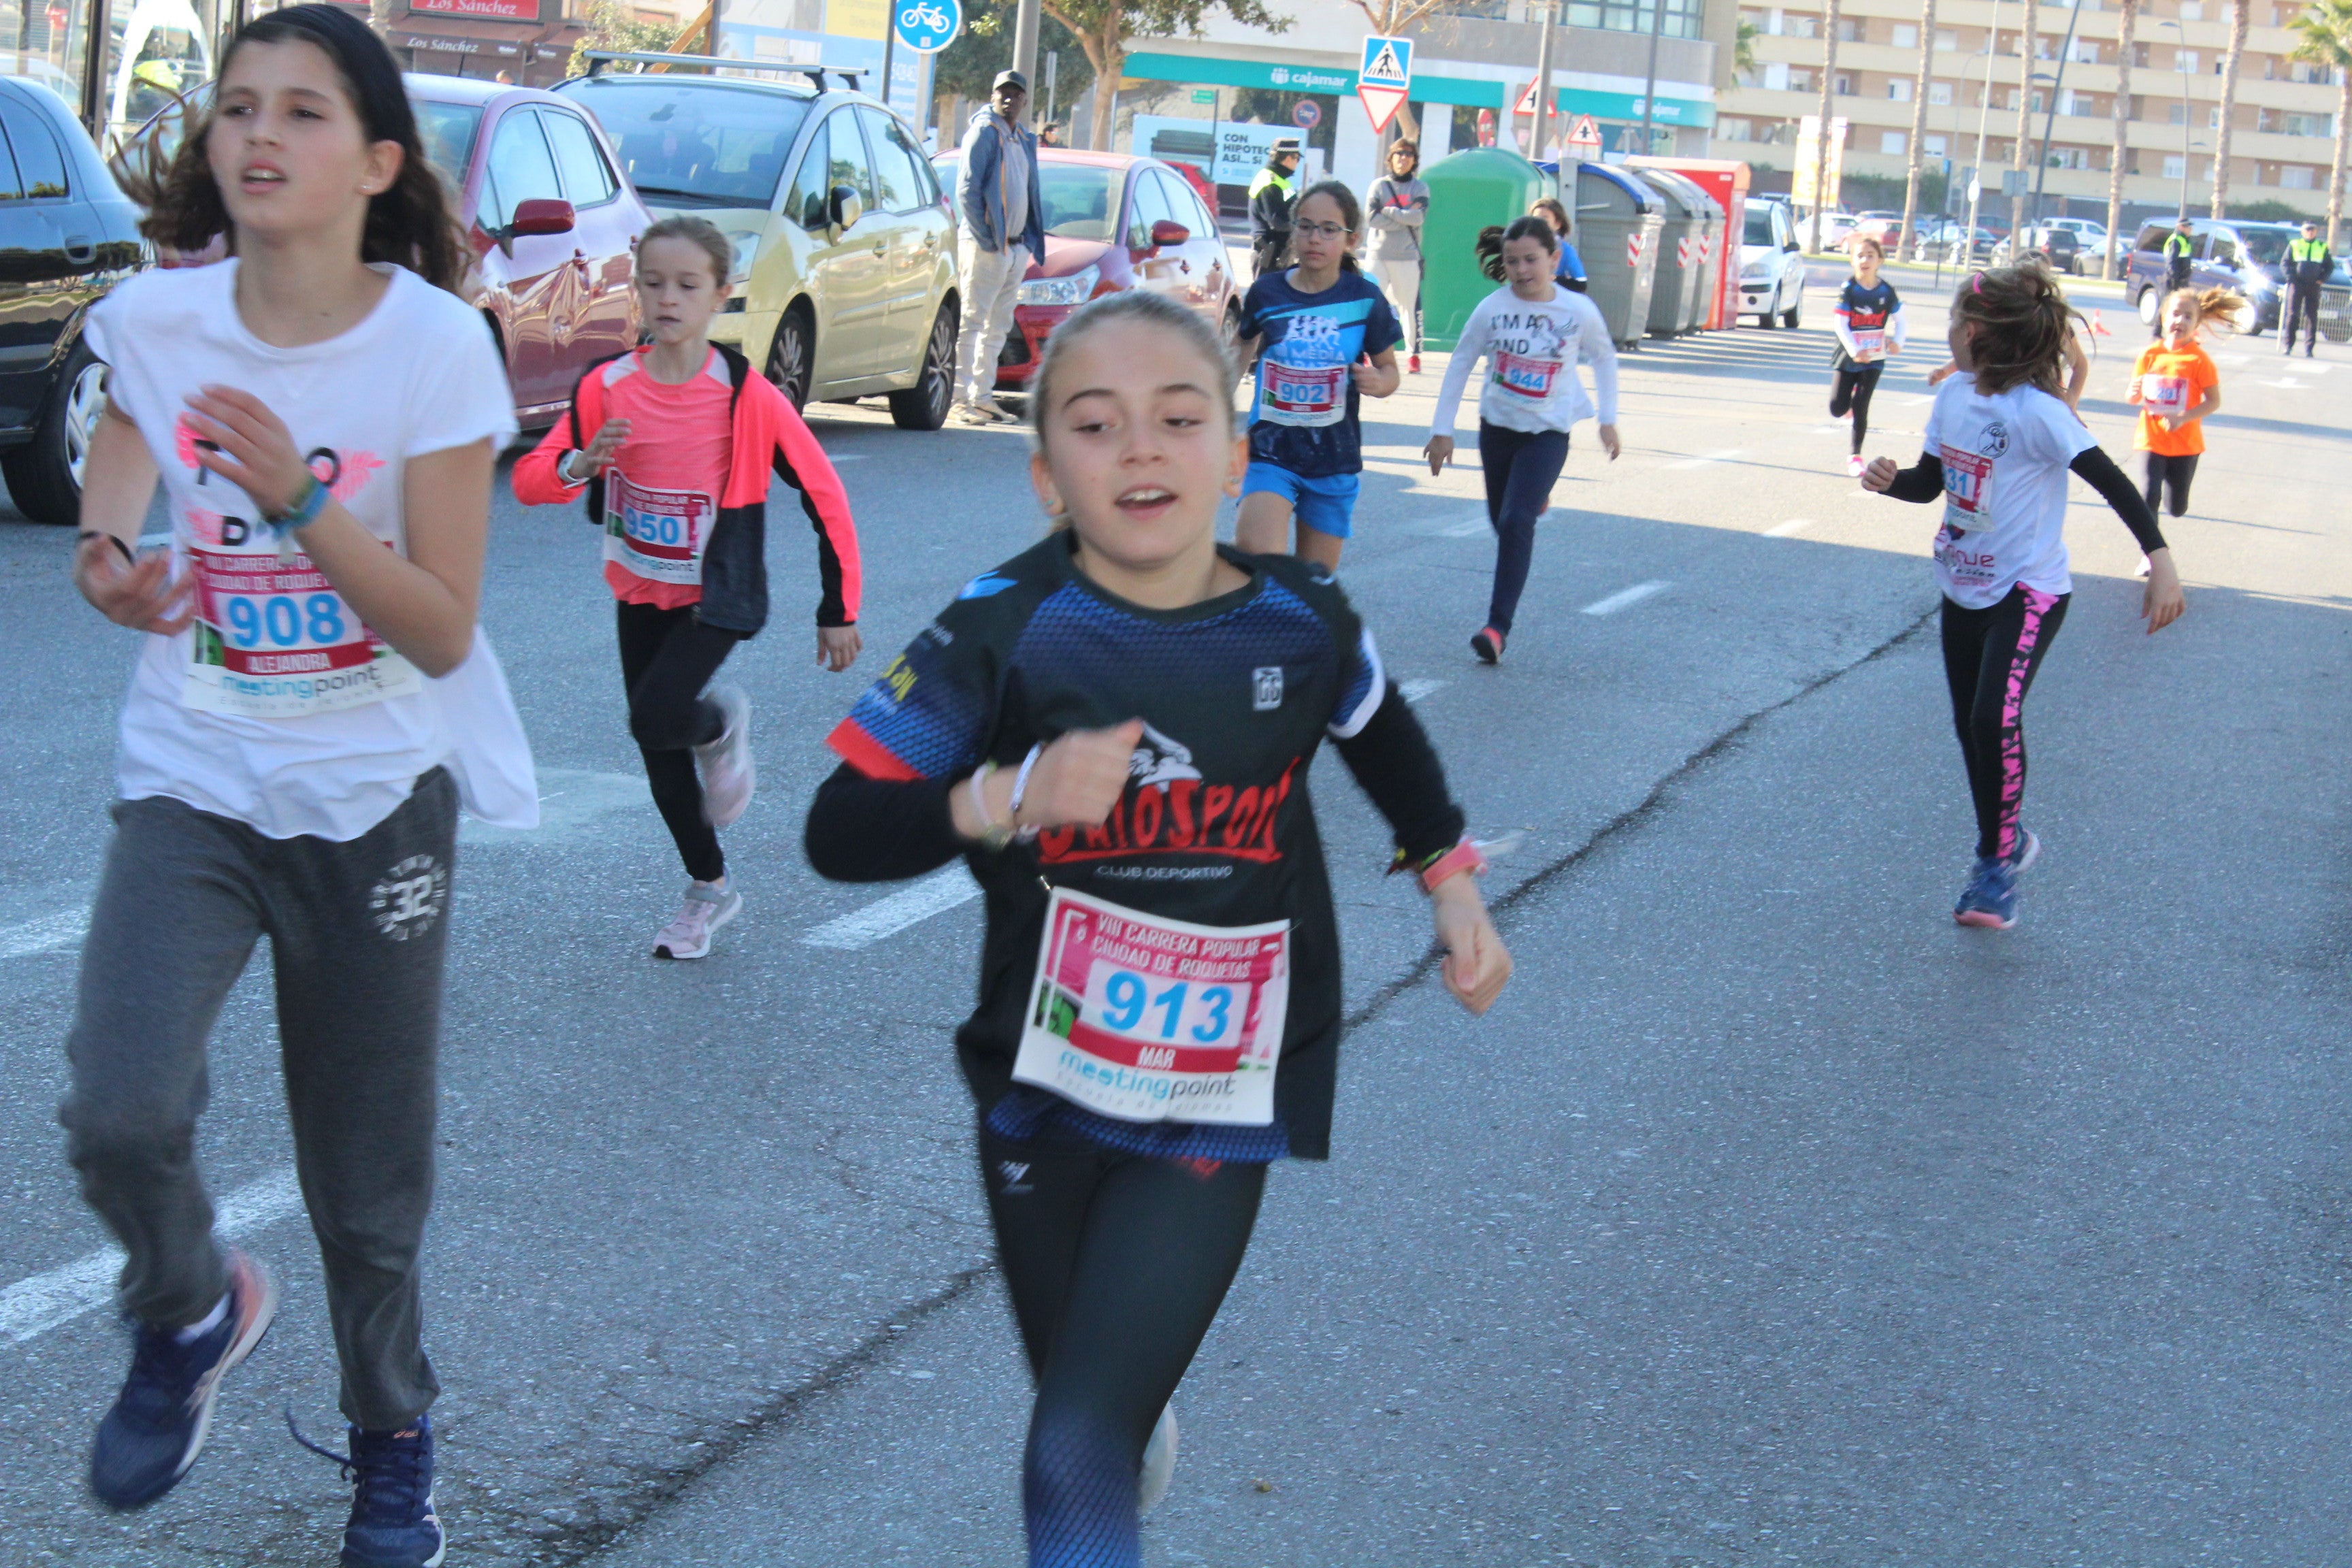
[
  {"x": 1146, "y": 1019},
  {"x": 1869, "y": 345},
  {"x": 1525, "y": 374},
  {"x": 1304, "y": 394},
  {"x": 659, "y": 535},
  {"x": 2164, "y": 394},
  {"x": 1967, "y": 479},
  {"x": 274, "y": 641}
]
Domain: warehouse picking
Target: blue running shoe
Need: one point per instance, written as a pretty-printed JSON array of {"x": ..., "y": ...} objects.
[
  {"x": 1991, "y": 898},
  {"x": 393, "y": 1524},
  {"x": 2027, "y": 851},
  {"x": 155, "y": 1430}
]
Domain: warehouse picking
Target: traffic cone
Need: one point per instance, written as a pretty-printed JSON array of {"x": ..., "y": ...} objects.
[{"x": 2098, "y": 327}]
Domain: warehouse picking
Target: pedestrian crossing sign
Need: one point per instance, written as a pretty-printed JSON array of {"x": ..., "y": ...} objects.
[{"x": 1385, "y": 79}]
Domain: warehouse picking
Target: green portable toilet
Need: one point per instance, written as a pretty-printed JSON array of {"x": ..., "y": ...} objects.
[{"x": 1473, "y": 189}]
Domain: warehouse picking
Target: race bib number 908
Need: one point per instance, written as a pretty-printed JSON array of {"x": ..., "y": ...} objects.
[
  {"x": 274, "y": 640},
  {"x": 1147, "y": 1020}
]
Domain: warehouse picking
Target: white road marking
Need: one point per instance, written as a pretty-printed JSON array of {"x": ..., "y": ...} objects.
[
  {"x": 34, "y": 1306},
  {"x": 2290, "y": 383},
  {"x": 1625, "y": 598},
  {"x": 935, "y": 894},
  {"x": 572, "y": 801},
  {"x": 1837, "y": 428},
  {"x": 1414, "y": 690},
  {"x": 1794, "y": 525},
  {"x": 1723, "y": 457},
  {"x": 1457, "y": 528},
  {"x": 1917, "y": 400},
  {"x": 44, "y": 933}
]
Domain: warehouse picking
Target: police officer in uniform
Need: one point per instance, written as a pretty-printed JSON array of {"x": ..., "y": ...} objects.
[
  {"x": 1273, "y": 195},
  {"x": 2176, "y": 246},
  {"x": 2309, "y": 263}
]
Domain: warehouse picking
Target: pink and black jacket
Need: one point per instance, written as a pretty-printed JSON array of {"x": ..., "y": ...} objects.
[{"x": 767, "y": 437}]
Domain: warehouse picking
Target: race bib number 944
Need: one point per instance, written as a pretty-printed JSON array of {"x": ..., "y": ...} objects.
[{"x": 1148, "y": 1019}]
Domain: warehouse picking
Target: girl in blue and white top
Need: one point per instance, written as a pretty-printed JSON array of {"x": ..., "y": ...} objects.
[
  {"x": 1531, "y": 332},
  {"x": 312, "y": 702},
  {"x": 1870, "y": 331}
]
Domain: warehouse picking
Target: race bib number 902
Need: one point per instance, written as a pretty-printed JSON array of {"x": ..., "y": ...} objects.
[{"x": 1147, "y": 1020}]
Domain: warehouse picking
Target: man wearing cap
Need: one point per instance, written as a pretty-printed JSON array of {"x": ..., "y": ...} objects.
[
  {"x": 2178, "y": 266},
  {"x": 1272, "y": 197},
  {"x": 999, "y": 231},
  {"x": 2309, "y": 263}
]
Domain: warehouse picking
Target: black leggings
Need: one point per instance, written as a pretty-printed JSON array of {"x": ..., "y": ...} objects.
[
  {"x": 1521, "y": 467},
  {"x": 667, "y": 657},
  {"x": 1853, "y": 391},
  {"x": 1990, "y": 659},
  {"x": 1116, "y": 1265},
  {"x": 2169, "y": 473}
]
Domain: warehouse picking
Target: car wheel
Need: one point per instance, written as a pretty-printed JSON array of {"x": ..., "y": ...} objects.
[
  {"x": 2146, "y": 303},
  {"x": 790, "y": 356},
  {"x": 1232, "y": 328},
  {"x": 1793, "y": 316},
  {"x": 924, "y": 406},
  {"x": 1767, "y": 320},
  {"x": 44, "y": 474}
]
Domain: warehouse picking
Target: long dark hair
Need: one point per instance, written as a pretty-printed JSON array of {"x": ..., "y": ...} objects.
[
  {"x": 1534, "y": 227},
  {"x": 411, "y": 222},
  {"x": 1352, "y": 213},
  {"x": 2022, "y": 318}
]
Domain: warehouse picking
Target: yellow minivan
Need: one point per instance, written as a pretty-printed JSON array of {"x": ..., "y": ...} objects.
[{"x": 845, "y": 282}]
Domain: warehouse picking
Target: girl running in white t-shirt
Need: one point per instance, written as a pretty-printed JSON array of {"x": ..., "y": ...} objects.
[
  {"x": 674, "y": 444},
  {"x": 1531, "y": 333},
  {"x": 311, "y": 704},
  {"x": 1999, "y": 443}
]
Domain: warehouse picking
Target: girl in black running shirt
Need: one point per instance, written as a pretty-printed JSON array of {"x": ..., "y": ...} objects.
[
  {"x": 1870, "y": 331},
  {"x": 1113, "y": 729}
]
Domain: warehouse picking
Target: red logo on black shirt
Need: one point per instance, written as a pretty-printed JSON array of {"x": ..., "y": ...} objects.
[{"x": 1180, "y": 816}]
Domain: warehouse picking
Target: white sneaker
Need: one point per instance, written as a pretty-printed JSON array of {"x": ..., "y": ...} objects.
[
  {"x": 1855, "y": 466},
  {"x": 2141, "y": 570},
  {"x": 978, "y": 414},
  {"x": 706, "y": 908},
  {"x": 1158, "y": 1464},
  {"x": 995, "y": 410},
  {"x": 726, "y": 762}
]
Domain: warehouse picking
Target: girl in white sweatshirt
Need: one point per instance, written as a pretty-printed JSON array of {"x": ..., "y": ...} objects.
[{"x": 1531, "y": 332}]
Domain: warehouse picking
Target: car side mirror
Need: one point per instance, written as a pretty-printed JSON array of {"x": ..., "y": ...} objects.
[
  {"x": 1168, "y": 231},
  {"x": 844, "y": 207},
  {"x": 1790, "y": 246},
  {"x": 542, "y": 214}
]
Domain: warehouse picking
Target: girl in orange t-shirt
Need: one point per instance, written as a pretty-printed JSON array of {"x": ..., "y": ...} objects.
[{"x": 2179, "y": 387}]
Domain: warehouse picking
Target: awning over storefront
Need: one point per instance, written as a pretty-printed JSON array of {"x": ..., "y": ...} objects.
[
  {"x": 1427, "y": 86},
  {"x": 1628, "y": 106}
]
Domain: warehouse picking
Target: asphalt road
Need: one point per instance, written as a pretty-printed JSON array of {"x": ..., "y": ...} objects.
[{"x": 1769, "y": 1217}]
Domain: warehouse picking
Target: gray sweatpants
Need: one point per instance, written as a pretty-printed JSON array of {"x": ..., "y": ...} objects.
[{"x": 357, "y": 933}]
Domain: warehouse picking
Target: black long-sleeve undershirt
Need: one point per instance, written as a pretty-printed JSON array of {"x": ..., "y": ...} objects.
[
  {"x": 863, "y": 829},
  {"x": 1923, "y": 481}
]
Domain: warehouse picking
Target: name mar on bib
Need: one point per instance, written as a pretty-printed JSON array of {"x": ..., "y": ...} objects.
[
  {"x": 657, "y": 534},
  {"x": 274, "y": 641},
  {"x": 1147, "y": 1020}
]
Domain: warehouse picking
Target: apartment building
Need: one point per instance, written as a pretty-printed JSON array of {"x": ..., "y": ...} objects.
[{"x": 2281, "y": 131}]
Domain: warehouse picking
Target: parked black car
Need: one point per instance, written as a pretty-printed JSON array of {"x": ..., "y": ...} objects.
[
  {"x": 67, "y": 236},
  {"x": 2061, "y": 247}
]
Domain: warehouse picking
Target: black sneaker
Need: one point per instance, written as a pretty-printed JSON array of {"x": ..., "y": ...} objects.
[
  {"x": 392, "y": 1522},
  {"x": 153, "y": 1436}
]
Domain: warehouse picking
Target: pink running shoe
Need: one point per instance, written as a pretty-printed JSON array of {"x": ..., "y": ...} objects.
[
  {"x": 1855, "y": 466},
  {"x": 728, "y": 775}
]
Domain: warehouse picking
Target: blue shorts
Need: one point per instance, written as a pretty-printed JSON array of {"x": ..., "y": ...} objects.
[{"x": 1327, "y": 505}]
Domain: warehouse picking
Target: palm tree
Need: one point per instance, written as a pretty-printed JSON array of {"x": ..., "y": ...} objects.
[
  {"x": 1906, "y": 242},
  {"x": 2325, "y": 27},
  {"x": 1823, "y": 196},
  {"x": 2025, "y": 45},
  {"x": 2121, "y": 155},
  {"x": 2238, "y": 10}
]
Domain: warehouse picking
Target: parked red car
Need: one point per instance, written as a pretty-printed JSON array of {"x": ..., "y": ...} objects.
[
  {"x": 552, "y": 220},
  {"x": 1112, "y": 222}
]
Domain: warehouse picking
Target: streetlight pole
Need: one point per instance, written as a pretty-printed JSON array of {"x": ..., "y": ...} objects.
[
  {"x": 1025, "y": 43},
  {"x": 2180, "y": 59},
  {"x": 2049, "y": 120},
  {"x": 1649, "y": 86},
  {"x": 1984, "y": 112},
  {"x": 1541, "y": 118}
]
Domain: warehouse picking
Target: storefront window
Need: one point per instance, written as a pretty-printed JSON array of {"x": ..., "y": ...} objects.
[{"x": 1681, "y": 21}]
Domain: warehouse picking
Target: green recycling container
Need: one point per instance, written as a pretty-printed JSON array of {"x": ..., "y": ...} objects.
[{"x": 1470, "y": 190}]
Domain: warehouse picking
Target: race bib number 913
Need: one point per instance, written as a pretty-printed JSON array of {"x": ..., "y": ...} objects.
[{"x": 1148, "y": 1019}]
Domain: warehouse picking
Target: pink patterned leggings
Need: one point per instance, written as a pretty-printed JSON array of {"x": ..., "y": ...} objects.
[{"x": 1990, "y": 659}]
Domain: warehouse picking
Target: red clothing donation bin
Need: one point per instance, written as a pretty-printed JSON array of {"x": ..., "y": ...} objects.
[{"x": 1726, "y": 180}]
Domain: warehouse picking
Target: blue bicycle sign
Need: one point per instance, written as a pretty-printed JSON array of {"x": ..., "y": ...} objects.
[{"x": 926, "y": 27}]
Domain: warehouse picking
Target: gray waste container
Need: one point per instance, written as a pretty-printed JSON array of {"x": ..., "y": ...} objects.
[
  {"x": 1618, "y": 218},
  {"x": 1694, "y": 221}
]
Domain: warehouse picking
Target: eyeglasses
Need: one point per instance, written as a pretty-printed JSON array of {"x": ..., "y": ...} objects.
[{"x": 1322, "y": 230}]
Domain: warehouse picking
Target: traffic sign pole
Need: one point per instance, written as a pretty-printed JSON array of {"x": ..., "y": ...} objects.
[{"x": 1386, "y": 78}]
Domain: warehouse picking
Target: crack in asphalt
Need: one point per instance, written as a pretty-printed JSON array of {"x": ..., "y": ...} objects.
[{"x": 614, "y": 1517}]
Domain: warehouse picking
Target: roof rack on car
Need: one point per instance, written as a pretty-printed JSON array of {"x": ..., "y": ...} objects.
[{"x": 599, "y": 59}]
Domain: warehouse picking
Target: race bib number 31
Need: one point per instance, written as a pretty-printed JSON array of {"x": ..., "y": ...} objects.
[
  {"x": 274, "y": 641},
  {"x": 1147, "y": 1020}
]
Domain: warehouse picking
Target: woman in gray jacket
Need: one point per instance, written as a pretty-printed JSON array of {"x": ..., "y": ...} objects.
[{"x": 1393, "y": 210}]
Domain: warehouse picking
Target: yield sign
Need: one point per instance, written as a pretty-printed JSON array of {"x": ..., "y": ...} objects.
[{"x": 1385, "y": 79}]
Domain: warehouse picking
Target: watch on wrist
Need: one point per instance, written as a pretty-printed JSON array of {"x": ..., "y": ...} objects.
[
  {"x": 1431, "y": 870},
  {"x": 994, "y": 834}
]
